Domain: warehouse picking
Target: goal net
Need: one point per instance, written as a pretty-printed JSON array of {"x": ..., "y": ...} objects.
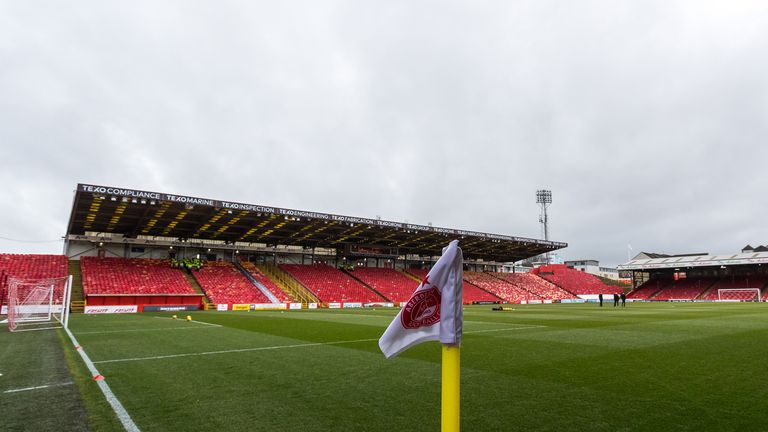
[
  {"x": 739, "y": 294},
  {"x": 38, "y": 304}
]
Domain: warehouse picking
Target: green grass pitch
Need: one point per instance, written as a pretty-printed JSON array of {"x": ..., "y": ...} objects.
[{"x": 649, "y": 367}]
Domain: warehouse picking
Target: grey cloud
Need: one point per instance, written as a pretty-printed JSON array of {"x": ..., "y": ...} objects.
[{"x": 646, "y": 119}]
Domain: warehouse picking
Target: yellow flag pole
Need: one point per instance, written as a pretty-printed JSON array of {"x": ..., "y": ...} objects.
[{"x": 450, "y": 395}]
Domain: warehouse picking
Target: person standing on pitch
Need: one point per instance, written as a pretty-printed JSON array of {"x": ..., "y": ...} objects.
[
  {"x": 623, "y": 300},
  {"x": 600, "y": 296},
  {"x": 615, "y": 299}
]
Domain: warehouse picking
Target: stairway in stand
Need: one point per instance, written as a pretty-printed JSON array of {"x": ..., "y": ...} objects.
[
  {"x": 77, "y": 301},
  {"x": 287, "y": 283},
  {"x": 207, "y": 304},
  {"x": 410, "y": 275},
  {"x": 351, "y": 274}
]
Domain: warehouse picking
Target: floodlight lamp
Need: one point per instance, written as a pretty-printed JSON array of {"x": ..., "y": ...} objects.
[{"x": 544, "y": 196}]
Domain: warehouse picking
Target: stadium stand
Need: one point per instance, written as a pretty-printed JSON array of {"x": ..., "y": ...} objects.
[
  {"x": 264, "y": 280},
  {"x": 505, "y": 290},
  {"x": 470, "y": 293},
  {"x": 646, "y": 291},
  {"x": 536, "y": 285},
  {"x": 223, "y": 283},
  {"x": 575, "y": 281},
  {"x": 683, "y": 289},
  {"x": 735, "y": 282},
  {"x": 29, "y": 267},
  {"x": 110, "y": 275},
  {"x": 390, "y": 283},
  {"x": 330, "y": 285}
]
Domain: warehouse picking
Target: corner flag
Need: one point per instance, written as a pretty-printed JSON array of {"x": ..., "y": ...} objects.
[{"x": 434, "y": 310}]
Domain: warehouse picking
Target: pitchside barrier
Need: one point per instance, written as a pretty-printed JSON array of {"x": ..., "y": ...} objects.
[{"x": 123, "y": 309}]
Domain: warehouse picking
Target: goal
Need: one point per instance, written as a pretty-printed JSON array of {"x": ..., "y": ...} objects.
[
  {"x": 38, "y": 304},
  {"x": 739, "y": 294}
]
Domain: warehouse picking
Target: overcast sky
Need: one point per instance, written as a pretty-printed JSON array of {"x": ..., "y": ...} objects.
[{"x": 647, "y": 120}]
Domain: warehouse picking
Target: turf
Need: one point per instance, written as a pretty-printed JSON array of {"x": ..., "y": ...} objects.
[
  {"x": 649, "y": 367},
  {"x": 36, "y": 359}
]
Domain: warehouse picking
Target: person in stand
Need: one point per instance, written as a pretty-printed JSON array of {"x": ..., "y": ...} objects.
[
  {"x": 600, "y": 297},
  {"x": 623, "y": 300}
]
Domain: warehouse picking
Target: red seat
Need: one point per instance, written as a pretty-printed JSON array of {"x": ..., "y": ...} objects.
[
  {"x": 574, "y": 281},
  {"x": 224, "y": 284},
  {"x": 470, "y": 293},
  {"x": 331, "y": 285},
  {"x": 111, "y": 275},
  {"x": 268, "y": 284},
  {"x": 30, "y": 267}
]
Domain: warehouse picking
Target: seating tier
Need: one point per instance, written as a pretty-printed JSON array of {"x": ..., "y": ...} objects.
[
  {"x": 331, "y": 285},
  {"x": 30, "y": 267},
  {"x": 536, "y": 285},
  {"x": 503, "y": 289},
  {"x": 110, "y": 275},
  {"x": 470, "y": 293},
  {"x": 224, "y": 284},
  {"x": 267, "y": 282},
  {"x": 574, "y": 281},
  {"x": 390, "y": 283}
]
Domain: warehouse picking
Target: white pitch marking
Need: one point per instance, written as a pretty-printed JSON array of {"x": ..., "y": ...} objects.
[
  {"x": 36, "y": 329},
  {"x": 38, "y": 387},
  {"x": 117, "y": 407},
  {"x": 196, "y": 322},
  {"x": 275, "y": 347},
  {"x": 141, "y": 330},
  {"x": 506, "y": 329}
]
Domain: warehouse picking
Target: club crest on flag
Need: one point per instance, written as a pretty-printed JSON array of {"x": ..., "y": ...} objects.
[
  {"x": 433, "y": 313},
  {"x": 423, "y": 309}
]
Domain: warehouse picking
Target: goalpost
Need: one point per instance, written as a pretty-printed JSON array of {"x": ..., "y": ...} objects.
[
  {"x": 739, "y": 294},
  {"x": 38, "y": 304}
]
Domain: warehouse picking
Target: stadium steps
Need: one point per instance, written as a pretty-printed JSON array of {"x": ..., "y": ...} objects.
[
  {"x": 508, "y": 282},
  {"x": 77, "y": 306},
  {"x": 711, "y": 286},
  {"x": 351, "y": 274},
  {"x": 287, "y": 283},
  {"x": 77, "y": 282},
  {"x": 557, "y": 284},
  {"x": 198, "y": 289},
  {"x": 410, "y": 275},
  {"x": 658, "y": 290},
  {"x": 264, "y": 290},
  {"x": 703, "y": 293}
]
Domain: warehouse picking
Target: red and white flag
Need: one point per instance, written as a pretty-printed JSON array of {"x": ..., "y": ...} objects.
[{"x": 434, "y": 310}]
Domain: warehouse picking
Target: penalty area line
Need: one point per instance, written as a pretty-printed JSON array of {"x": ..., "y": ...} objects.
[
  {"x": 117, "y": 407},
  {"x": 140, "y": 330},
  {"x": 38, "y": 387},
  {"x": 196, "y": 322}
]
